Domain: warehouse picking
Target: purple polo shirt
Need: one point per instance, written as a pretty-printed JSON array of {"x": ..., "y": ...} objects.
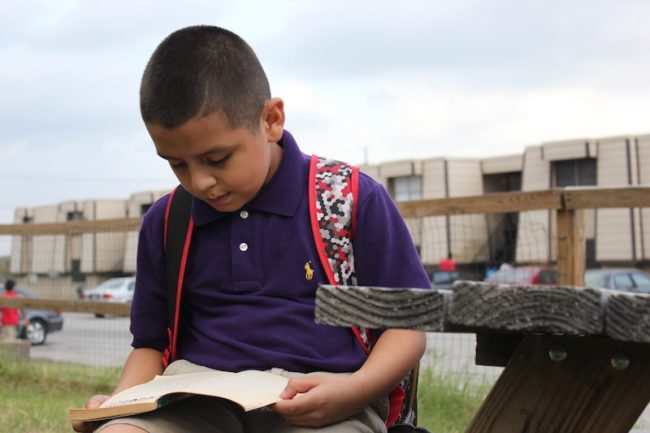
[{"x": 247, "y": 301}]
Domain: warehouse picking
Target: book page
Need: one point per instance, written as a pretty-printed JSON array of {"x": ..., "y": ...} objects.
[
  {"x": 250, "y": 389},
  {"x": 159, "y": 386}
]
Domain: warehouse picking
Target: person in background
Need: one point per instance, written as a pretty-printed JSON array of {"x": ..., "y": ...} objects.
[
  {"x": 448, "y": 264},
  {"x": 10, "y": 316}
]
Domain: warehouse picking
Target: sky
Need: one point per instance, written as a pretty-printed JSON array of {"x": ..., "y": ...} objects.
[{"x": 363, "y": 81}]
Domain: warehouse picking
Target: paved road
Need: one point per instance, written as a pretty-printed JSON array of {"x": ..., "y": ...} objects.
[
  {"x": 106, "y": 342},
  {"x": 88, "y": 340}
]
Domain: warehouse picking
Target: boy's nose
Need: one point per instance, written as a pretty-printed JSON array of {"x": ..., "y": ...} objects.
[{"x": 202, "y": 180}]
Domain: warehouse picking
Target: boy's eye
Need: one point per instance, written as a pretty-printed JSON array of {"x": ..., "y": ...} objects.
[
  {"x": 217, "y": 162},
  {"x": 175, "y": 165}
]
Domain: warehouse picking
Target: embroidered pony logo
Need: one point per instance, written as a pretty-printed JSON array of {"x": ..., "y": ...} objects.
[{"x": 309, "y": 272}]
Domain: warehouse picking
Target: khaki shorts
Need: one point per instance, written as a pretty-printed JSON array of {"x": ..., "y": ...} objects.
[{"x": 210, "y": 415}]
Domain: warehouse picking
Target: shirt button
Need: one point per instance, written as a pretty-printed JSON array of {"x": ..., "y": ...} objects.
[
  {"x": 243, "y": 214},
  {"x": 243, "y": 246}
]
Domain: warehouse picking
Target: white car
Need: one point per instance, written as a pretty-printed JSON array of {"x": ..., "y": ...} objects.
[
  {"x": 624, "y": 279},
  {"x": 112, "y": 290}
]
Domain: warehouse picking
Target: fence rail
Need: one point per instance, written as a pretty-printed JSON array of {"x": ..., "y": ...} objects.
[
  {"x": 570, "y": 198},
  {"x": 568, "y": 204},
  {"x": 71, "y": 227},
  {"x": 68, "y": 305}
]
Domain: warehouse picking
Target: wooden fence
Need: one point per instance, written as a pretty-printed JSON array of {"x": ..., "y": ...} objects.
[{"x": 568, "y": 204}]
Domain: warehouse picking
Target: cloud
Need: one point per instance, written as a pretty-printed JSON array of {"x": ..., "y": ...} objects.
[
  {"x": 481, "y": 44},
  {"x": 395, "y": 80}
]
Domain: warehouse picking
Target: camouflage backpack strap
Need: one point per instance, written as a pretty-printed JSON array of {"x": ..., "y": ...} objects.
[{"x": 333, "y": 190}]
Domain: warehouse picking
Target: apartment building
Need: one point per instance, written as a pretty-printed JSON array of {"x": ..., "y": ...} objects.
[
  {"x": 614, "y": 236},
  {"x": 84, "y": 259}
]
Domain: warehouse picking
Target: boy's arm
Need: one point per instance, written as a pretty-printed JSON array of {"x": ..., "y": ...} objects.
[
  {"x": 141, "y": 366},
  {"x": 328, "y": 399}
]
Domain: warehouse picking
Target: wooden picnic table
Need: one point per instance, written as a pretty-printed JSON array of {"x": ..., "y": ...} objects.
[{"x": 576, "y": 360}]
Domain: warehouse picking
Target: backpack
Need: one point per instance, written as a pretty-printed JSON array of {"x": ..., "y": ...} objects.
[{"x": 333, "y": 190}]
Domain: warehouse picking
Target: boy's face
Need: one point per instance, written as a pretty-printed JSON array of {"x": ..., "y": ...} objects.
[{"x": 223, "y": 166}]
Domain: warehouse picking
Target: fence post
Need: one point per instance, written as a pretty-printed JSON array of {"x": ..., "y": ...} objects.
[{"x": 571, "y": 247}]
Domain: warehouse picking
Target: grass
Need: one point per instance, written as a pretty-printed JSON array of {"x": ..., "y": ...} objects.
[
  {"x": 36, "y": 395},
  {"x": 447, "y": 403}
]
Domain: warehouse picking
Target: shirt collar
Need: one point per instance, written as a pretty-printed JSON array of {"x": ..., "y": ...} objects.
[{"x": 280, "y": 196}]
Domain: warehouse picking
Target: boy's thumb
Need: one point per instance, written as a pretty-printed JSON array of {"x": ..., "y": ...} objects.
[
  {"x": 298, "y": 385},
  {"x": 95, "y": 401}
]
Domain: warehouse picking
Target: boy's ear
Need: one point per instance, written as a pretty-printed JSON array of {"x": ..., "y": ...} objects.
[{"x": 273, "y": 119}]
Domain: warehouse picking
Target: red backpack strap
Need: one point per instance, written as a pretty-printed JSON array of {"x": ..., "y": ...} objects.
[
  {"x": 177, "y": 237},
  {"x": 333, "y": 191}
]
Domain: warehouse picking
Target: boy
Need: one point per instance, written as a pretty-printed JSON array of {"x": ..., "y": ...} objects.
[{"x": 253, "y": 268}]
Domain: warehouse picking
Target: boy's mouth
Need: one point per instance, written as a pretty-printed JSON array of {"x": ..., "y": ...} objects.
[{"x": 219, "y": 200}]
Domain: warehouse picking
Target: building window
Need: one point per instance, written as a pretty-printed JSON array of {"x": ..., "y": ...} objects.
[
  {"x": 575, "y": 172},
  {"x": 406, "y": 188},
  {"x": 144, "y": 208},
  {"x": 76, "y": 274},
  {"x": 75, "y": 216}
]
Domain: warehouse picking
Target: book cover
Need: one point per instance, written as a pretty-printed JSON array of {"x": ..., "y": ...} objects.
[{"x": 251, "y": 389}]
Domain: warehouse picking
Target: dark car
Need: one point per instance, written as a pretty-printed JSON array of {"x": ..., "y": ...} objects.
[
  {"x": 627, "y": 279},
  {"x": 41, "y": 322}
]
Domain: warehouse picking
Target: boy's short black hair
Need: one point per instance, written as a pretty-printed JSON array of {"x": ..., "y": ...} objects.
[
  {"x": 9, "y": 285},
  {"x": 199, "y": 70}
]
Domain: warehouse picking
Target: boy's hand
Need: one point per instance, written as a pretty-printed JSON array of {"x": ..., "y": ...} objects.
[
  {"x": 319, "y": 400},
  {"x": 94, "y": 402}
]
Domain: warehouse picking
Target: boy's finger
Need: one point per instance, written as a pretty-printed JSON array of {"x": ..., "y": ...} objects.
[
  {"x": 293, "y": 407},
  {"x": 299, "y": 385},
  {"x": 95, "y": 401}
]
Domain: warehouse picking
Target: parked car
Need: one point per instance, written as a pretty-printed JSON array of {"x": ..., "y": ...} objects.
[
  {"x": 523, "y": 275},
  {"x": 445, "y": 279},
  {"x": 112, "y": 290},
  {"x": 41, "y": 322},
  {"x": 625, "y": 279}
]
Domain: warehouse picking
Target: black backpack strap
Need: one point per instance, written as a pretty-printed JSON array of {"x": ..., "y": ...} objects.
[{"x": 177, "y": 237}]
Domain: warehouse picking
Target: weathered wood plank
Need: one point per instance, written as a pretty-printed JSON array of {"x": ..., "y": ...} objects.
[
  {"x": 376, "y": 307},
  {"x": 490, "y": 308},
  {"x": 479, "y": 306},
  {"x": 628, "y": 317},
  {"x": 568, "y": 384},
  {"x": 70, "y": 305}
]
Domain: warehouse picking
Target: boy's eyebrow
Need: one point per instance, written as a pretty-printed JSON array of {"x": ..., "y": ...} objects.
[{"x": 214, "y": 149}]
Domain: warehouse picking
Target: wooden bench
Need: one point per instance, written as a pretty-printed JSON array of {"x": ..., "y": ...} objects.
[{"x": 576, "y": 360}]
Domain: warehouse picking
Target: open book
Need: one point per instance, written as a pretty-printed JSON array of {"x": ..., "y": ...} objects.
[{"x": 250, "y": 389}]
